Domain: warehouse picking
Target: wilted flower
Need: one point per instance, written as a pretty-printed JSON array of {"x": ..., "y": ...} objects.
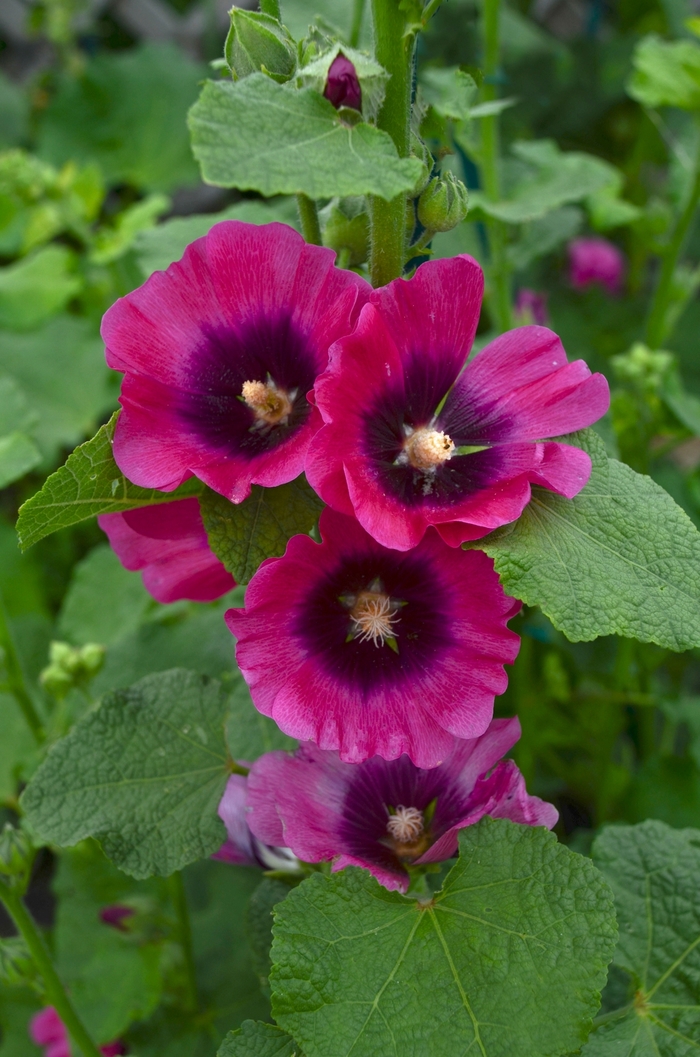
[
  {"x": 595, "y": 260},
  {"x": 168, "y": 544},
  {"x": 242, "y": 848},
  {"x": 387, "y": 816},
  {"x": 46, "y": 1029},
  {"x": 374, "y": 652},
  {"x": 413, "y": 437},
  {"x": 220, "y": 351}
]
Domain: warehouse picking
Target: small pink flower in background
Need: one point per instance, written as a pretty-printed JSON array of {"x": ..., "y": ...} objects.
[
  {"x": 115, "y": 915},
  {"x": 343, "y": 87},
  {"x": 46, "y": 1029},
  {"x": 372, "y": 651},
  {"x": 531, "y": 307},
  {"x": 242, "y": 848},
  {"x": 219, "y": 353},
  {"x": 595, "y": 260},
  {"x": 167, "y": 543},
  {"x": 388, "y": 815},
  {"x": 413, "y": 437}
]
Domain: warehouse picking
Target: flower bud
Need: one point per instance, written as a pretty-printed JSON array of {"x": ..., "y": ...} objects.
[
  {"x": 419, "y": 150},
  {"x": 92, "y": 658},
  {"x": 258, "y": 42},
  {"x": 443, "y": 204},
  {"x": 71, "y": 666},
  {"x": 116, "y": 915},
  {"x": 16, "y": 855},
  {"x": 342, "y": 86},
  {"x": 348, "y": 79}
]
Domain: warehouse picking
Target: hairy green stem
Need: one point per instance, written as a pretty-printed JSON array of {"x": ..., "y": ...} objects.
[
  {"x": 308, "y": 215},
  {"x": 270, "y": 7},
  {"x": 490, "y": 154},
  {"x": 55, "y": 991},
  {"x": 358, "y": 11},
  {"x": 16, "y": 682},
  {"x": 394, "y": 51},
  {"x": 184, "y": 935},
  {"x": 663, "y": 295}
]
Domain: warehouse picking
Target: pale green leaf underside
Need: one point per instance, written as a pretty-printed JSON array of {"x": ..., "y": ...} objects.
[
  {"x": 506, "y": 959},
  {"x": 255, "y": 1039},
  {"x": 88, "y": 484},
  {"x": 143, "y": 774},
  {"x": 242, "y": 535},
  {"x": 621, "y": 558},
  {"x": 653, "y": 871},
  {"x": 257, "y": 135}
]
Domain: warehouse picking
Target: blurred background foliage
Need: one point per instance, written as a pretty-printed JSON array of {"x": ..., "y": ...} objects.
[{"x": 98, "y": 188}]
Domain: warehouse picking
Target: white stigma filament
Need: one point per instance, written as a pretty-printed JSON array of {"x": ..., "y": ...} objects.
[
  {"x": 406, "y": 826},
  {"x": 270, "y": 404},
  {"x": 373, "y": 617},
  {"x": 427, "y": 448}
]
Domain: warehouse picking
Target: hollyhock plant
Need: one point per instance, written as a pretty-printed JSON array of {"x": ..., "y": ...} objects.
[
  {"x": 387, "y": 816},
  {"x": 167, "y": 543},
  {"x": 372, "y": 652},
  {"x": 219, "y": 353},
  {"x": 47, "y": 1030},
  {"x": 595, "y": 260},
  {"x": 413, "y": 437},
  {"x": 241, "y": 847}
]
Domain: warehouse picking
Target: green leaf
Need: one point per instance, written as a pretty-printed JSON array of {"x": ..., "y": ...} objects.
[
  {"x": 17, "y": 746},
  {"x": 258, "y": 924},
  {"x": 37, "y": 287},
  {"x": 545, "y": 235},
  {"x": 112, "y": 243},
  {"x": 558, "y": 177},
  {"x": 61, "y": 370},
  {"x": 653, "y": 871},
  {"x": 249, "y": 734},
  {"x": 14, "y": 114},
  {"x": 160, "y": 246},
  {"x": 84, "y": 617},
  {"x": 261, "y": 136},
  {"x": 255, "y": 1039},
  {"x": 620, "y": 559},
  {"x": 18, "y": 455},
  {"x": 242, "y": 535},
  {"x": 449, "y": 90},
  {"x": 143, "y": 774},
  {"x": 90, "y": 483},
  {"x": 506, "y": 959},
  {"x": 666, "y": 73},
  {"x": 101, "y": 116}
]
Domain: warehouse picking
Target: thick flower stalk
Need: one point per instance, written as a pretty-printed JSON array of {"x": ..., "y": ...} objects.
[
  {"x": 388, "y": 816},
  {"x": 363, "y": 649},
  {"x": 415, "y": 435},
  {"x": 219, "y": 353},
  {"x": 168, "y": 545}
]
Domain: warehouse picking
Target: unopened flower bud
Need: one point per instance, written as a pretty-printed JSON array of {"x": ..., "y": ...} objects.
[
  {"x": 16, "y": 855},
  {"x": 419, "y": 150},
  {"x": 342, "y": 86},
  {"x": 443, "y": 204},
  {"x": 258, "y": 42},
  {"x": 92, "y": 657},
  {"x": 116, "y": 915}
]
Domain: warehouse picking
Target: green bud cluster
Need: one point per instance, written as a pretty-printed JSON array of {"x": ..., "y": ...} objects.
[
  {"x": 443, "y": 204},
  {"x": 16, "y": 856},
  {"x": 71, "y": 666},
  {"x": 643, "y": 367},
  {"x": 259, "y": 43}
]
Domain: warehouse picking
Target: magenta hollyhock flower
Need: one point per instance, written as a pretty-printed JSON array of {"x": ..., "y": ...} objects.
[
  {"x": 242, "y": 848},
  {"x": 115, "y": 915},
  {"x": 531, "y": 307},
  {"x": 219, "y": 353},
  {"x": 373, "y": 652},
  {"x": 343, "y": 86},
  {"x": 413, "y": 437},
  {"x": 595, "y": 260},
  {"x": 46, "y": 1029},
  {"x": 384, "y": 815},
  {"x": 167, "y": 543}
]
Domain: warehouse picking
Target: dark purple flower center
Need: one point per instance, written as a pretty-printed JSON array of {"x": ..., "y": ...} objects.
[
  {"x": 270, "y": 352},
  {"x": 342, "y": 86},
  {"x": 394, "y": 811},
  {"x": 378, "y": 619}
]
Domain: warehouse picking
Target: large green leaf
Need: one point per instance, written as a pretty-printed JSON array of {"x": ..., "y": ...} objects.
[
  {"x": 261, "y": 136},
  {"x": 666, "y": 73},
  {"x": 37, "y": 287},
  {"x": 653, "y": 871},
  {"x": 18, "y": 455},
  {"x": 255, "y": 1039},
  {"x": 127, "y": 112},
  {"x": 621, "y": 558},
  {"x": 84, "y": 617},
  {"x": 242, "y": 535},
  {"x": 90, "y": 483},
  {"x": 144, "y": 774},
  {"x": 506, "y": 959}
]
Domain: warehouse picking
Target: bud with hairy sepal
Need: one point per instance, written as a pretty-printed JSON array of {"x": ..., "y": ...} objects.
[
  {"x": 357, "y": 82},
  {"x": 443, "y": 204},
  {"x": 346, "y": 227},
  {"x": 16, "y": 857},
  {"x": 71, "y": 666},
  {"x": 259, "y": 43}
]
